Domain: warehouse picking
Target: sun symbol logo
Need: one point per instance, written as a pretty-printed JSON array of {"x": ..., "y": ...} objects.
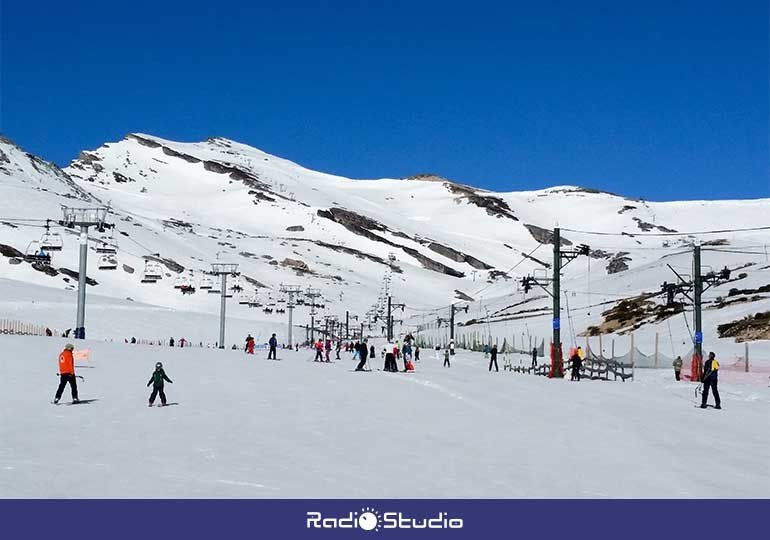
[{"x": 369, "y": 520}]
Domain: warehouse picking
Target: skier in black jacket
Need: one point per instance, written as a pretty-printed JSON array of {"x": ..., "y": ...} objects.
[
  {"x": 156, "y": 380},
  {"x": 273, "y": 344},
  {"x": 362, "y": 351},
  {"x": 493, "y": 357},
  {"x": 710, "y": 379}
]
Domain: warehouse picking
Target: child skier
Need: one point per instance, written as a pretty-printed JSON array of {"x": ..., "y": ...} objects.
[{"x": 156, "y": 379}]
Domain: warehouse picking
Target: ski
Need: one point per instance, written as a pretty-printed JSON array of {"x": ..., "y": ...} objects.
[{"x": 81, "y": 402}]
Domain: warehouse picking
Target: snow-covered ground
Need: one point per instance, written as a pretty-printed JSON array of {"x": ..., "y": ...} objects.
[{"x": 249, "y": 427}]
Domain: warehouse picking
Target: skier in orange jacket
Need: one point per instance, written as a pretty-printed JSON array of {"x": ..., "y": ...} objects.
[{"x": 67, "y": 374}]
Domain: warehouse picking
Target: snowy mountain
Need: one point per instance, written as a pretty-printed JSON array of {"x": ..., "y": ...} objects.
[{"x": 177, "y": 207}]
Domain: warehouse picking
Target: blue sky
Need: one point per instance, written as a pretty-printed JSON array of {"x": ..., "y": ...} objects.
[{"x": 660, "y": 100}]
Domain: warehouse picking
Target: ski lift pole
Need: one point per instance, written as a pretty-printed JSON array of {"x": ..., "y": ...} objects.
[{"x": 80, "y": 326}]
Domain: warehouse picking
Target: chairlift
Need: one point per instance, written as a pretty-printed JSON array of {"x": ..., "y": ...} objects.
[
  {"x": 181, "y": 281},
  {"x": 108, "y": 262},
  {"x": 36, "y": 253},
  {"x": 152, "y": 270},
  {"x": 280, "y": 310},
  {"x": 107, "y": 243},
  {"x": 206, "y": 283},
  {"x": 187, "y": 289},
  {"x": 51, "y": 241},
  {"x": 268, "y": 309}
]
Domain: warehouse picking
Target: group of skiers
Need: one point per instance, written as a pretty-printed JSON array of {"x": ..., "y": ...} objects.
[{"x": 67, "y": 376}]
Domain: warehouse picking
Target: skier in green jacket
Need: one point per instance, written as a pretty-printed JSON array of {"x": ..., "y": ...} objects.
[{"x": 156, "y": 380}]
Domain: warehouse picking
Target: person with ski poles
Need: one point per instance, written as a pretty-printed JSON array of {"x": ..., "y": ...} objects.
[
  {"x": 67, "y": 374},
  {"x": 273, "y": 343},
  {"x": 319, "y": 348},
  {"x": 156, "y": 380},
  {"x": 710, "y": 379},
  {"x": 363, "y": 352}
]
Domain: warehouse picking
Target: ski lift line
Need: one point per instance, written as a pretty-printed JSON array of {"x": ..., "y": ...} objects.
[{"x": 691, "y": 233}]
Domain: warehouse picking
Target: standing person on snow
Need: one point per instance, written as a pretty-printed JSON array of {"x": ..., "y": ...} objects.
[
  {"x": 577, "y": 362},
  {"x": 452, "y": 347},
  {"x": 156, "y": 380},
  {"x": 273, "y": 343},
  {"x": 493, "y": 357},
  {"x": 171, "y": 342},
  {"x": 446, "y": 358},
  {"x": 338, "y": 349},
  {"x": 372, "y": 352},
  {"x": 319, "y": 351},
  {"x": 710, "y": 379},
  {"x": 363, "y": 352},
  {"x": 67, "y": 374},
  {"x": 249, "y": 344},
  {"x": 534, "y": 356},
  {"x": 486, "y": 350},
  {"x": 328, "y": 348},
  {"x": 677, "y": 367}
]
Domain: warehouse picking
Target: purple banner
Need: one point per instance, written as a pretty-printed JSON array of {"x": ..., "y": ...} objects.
[{"x": 218, "y": 519}]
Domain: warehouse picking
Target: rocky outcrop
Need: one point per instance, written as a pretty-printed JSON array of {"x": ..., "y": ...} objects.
[
  {"x": 299, "y": 266},
  {"x": 168, "y": 263},
  {"x": 545, "y": 236},
  {"x": 618, "y": 263},
  {"x": 74, "y": 275},
  {"x": 495, "y": 206},
  {"x": 750, "y": 328},
  {"x": 458, "y": 256}
]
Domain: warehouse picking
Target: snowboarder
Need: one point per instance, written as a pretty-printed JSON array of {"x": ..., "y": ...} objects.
[
  {"x": 249, "y": 344},
  {"x": 493, "y": 357},
  {"x": 710, "y": 379},
  {"x": 534, "y": 357},
  {"x": 67, "y": 374},
  {"x": 446, "y": 358},
  {"x": 319, "y": 351},
  {"x": 677, "y": 367},
  {"x": 156, "y": 380},
  {"x": 273, "y": 343},
  {"x": 363, "y": 353}
]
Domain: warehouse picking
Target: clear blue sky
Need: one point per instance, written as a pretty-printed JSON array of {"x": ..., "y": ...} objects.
[{"x": 661, "y": 100}]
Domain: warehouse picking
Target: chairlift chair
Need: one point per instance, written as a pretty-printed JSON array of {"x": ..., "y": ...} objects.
[
  {"x": 107, "y": 244},
  {"x": 206, "y": 283},
  {"x": 36, "y": 253},
  {"x": 51, "y": 241},
  {"x": 152, "y": 270},
  {"x": 108, "y": 262}
]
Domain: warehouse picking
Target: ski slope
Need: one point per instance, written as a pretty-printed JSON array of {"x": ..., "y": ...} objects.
[{"x": 248, "y": 427}]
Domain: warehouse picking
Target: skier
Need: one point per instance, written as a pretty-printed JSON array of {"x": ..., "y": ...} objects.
[
  {"x": 486, "y": 350},
  {"x": 67, "y": 374},
  {"x": 156, "y": 380},
  {"x": 182, "y": 342},
  {"x": 328, "y": 348},
  {"x": 577, "y": 362},
  {"x": 319, "y": 349},
  {"x": 446, "y": 358},
  {"x": 710, "y": 379},
  {"x": 534, "y": 357},
  {"x": 273, "y": 343},
  {"x": 362, "y": 352},
  {"x": 249, "y": 344},
  {"x": 493, "y": 357},
  {"x": 372, "y": 352},
  {"x": 337, "y": 350},
  {"x": 390, "y": 362},
  {"x": 416, "y": 353},
  {"x": 677, "y": 367},
  {"x": 48, "y": 332},
  {"x": 452, "y": 347}
]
